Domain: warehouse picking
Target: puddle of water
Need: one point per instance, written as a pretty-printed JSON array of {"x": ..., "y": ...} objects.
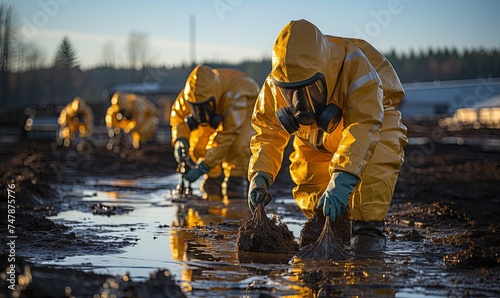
[
  {"x": 196, "y": 242},
  {"x": 149, "y": 252},
  {"x": 166, "y": 234}
]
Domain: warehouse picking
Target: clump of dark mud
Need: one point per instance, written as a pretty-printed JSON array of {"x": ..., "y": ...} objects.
[
  {"x": 484, "y": 236},
  {"x": 41, "y": 281},
  {"x": 430, "y": 215},
  {"x": 330, "y": 244},
  {"x": 479, "y": 248},
  {"x": 261, "y": 234},
  {"x": 316, "y": 224},
  {"x": 27, "y": 172},
  {"x": 412, "y": 235},
  {"x": 473, "y": 257},
  {"x": 40, "y": 237},
  {"x": 102, "y": 209}
]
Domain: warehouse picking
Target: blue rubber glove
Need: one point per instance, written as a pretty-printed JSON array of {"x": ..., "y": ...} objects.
[
  {"x": 181, "y": 150},
  {"x": 336, "y": 196},
  {"x": 257, "y": 190},
  {"x": 200, "y": 169}
]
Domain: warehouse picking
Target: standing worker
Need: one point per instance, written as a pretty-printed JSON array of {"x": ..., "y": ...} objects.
[
  {"x": 338, "y": 97},
  {"x": 210, "y": 122}
]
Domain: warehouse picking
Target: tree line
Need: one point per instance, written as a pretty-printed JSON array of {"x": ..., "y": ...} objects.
[
  {"x": 446, "y": 64},
  {"x": 26, "y": 78}
]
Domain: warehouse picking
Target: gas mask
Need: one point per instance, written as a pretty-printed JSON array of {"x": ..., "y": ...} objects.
[
  {"x": 306, "y": 105},
  {"x": 203, "y": 113}
]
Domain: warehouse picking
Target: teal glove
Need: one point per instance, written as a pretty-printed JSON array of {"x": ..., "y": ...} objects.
[
  {"x": 334, "y": 199},
  {"x": 181, "y": 150},
  {"x": 257, "y": 190},
  {"x": 200, "y": 169}
]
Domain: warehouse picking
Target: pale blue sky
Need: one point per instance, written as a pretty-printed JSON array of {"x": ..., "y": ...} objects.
[{"x": 233, "y": 30}]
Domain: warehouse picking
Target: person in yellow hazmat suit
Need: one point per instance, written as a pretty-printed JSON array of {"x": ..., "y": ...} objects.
[
  {"x": 76, "y": 121},
  {"x": 133, "y": 113},
  {"x": 338, "y": 97},
  {"x": 211, "y": 130}
]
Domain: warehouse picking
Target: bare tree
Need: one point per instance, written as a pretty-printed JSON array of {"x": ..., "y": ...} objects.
[
  {"x": 137, "y": 50},
  {"x": 6, "y": 39},
  {"x": 29, "y": 56},
  {"x": 21, "y": 49},
  {"x": 3, "y": 8},
  {"x": 34, "y": 57},
  {"x": 108, "y": 54}
]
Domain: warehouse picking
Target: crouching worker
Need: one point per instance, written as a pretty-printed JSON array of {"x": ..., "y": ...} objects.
[
  {"x": 338, "y": 98},
  {"x": 76, "y": 122},
  {"x": 210, "y": 122},
  {"x": 136, "y": 115}
]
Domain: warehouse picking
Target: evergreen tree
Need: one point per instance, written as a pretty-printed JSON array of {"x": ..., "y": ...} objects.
[{"x": 66, "y": 55}]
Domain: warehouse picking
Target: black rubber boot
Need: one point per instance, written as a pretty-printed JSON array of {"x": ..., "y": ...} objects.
[
  {"x": 235, "y": 187},
  {"x": 368, "y": 236},
  {"x": 212, "y": 186}
]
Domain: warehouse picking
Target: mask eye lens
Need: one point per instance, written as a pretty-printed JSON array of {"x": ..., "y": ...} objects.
[
  {"x": 317, "y": 91},
  {"x": 304, "y": 99},
  {"x": 314, "y": 89},
  {"x": 288, "y": 94},
  {"x": 203, "y": 111}
]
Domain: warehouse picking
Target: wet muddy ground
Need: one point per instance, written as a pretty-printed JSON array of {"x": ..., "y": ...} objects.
[{"x": 98, "y": 222}]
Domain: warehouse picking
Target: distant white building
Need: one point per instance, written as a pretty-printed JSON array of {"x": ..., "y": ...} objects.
[
  {"x": 485, "y": 114},
  {"x": 444, "y": 98}
]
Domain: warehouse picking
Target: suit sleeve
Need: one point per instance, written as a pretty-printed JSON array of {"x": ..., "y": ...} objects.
[
  {"x": 179, "y": 111},
  {"x": 363, "y": 116},
  {"x": 270, "y": 140}
]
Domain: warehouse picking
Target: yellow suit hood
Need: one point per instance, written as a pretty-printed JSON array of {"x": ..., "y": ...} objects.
[
  {"x": 201, "y": 84},
  {"x": 235, "y": 94},
  {"x": 301, "y": 51}
]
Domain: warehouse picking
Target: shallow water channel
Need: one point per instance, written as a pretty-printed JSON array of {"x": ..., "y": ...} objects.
[{"x": 195, "y": 240}]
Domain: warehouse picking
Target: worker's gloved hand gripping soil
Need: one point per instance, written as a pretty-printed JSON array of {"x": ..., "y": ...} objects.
[
  {"x": 257, "y": 191},
  {"x": 260, "y": 233}
]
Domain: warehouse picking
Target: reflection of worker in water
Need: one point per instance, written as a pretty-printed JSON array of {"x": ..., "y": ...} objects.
[
  {"x": 210, "y": 120},
  {"x": 135, "y": 114},
  {"x": 338, "y": 97},
  {"x": 195, "y": 237},
  {"x": 76, "y": 121}
]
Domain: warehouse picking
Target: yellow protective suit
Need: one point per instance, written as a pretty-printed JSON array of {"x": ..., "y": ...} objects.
[
  {"x": 368, "y": 142},
  {"x": 76, "y": 118},
  {"x": 135, "y": 114},
  {"x": 227, "y": 147}
]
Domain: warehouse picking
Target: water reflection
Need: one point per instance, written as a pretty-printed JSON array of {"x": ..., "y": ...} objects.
[
  {"x": 203, "y": 235},
  {"x": 358, "y": 277},
  {"x": 195, "y": 212},
  {"x": 196, "y": 240}
]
